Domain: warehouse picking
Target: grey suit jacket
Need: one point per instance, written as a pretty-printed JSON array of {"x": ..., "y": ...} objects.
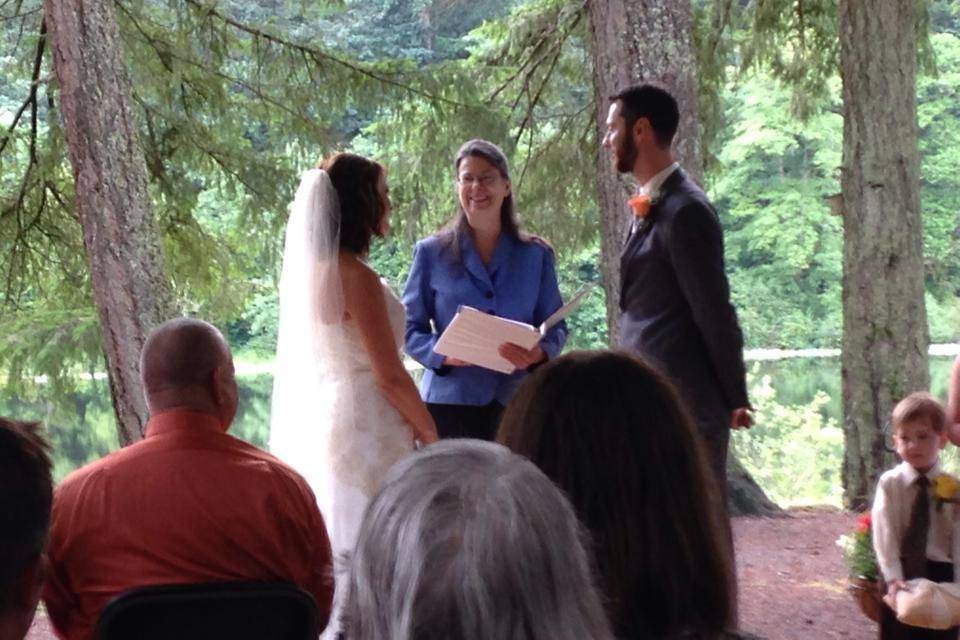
[{"x": 675, "y": 303}]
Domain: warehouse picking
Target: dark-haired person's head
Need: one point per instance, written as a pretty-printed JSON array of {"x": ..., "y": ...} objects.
[
  {"x": 468, "y": 541},
  {"x": 640, "y": 116},
  {"x": 612, "y": 433},
  {"x": 26, "y": 493},
  {"x": 186, "y": 364},
  {"x": 361, "y": 186}
]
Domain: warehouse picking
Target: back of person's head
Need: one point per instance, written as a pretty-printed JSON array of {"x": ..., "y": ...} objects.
[
  {"x": 612, "y": 433},
  {"x": 356, "y": 180},
  {"x": 186, "y": 364},
  {"x": 26, "y": 492},
  {"x": 467, "y": 541},
  {"x": 917, "y": 406},
  {"x": 653, "y": 103}
]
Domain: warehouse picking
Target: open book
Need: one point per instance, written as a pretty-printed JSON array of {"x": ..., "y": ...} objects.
[{"x": 475, "y": 337}]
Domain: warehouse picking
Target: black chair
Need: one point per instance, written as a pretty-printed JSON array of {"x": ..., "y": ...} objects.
[{"x": 231, "y": 611}]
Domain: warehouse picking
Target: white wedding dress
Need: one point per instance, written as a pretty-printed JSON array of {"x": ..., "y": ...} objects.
[
  {"x": 329, "y": 420},
  {"x": 362, "y": 448}
]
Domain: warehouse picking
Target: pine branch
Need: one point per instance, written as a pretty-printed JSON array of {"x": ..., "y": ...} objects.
[
  {"x": 318, "y": 56},
  {"x": 31, "y": 100},
  {"x": 531, "y": 105},
  {"x": 18, "y": 16},
  {"x": 548, "y": 75},
  {"x": 37, "y": 62}
]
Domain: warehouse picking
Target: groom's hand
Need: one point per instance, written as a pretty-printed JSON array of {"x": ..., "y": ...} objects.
[
  {"x": 741, "y": 418},
  {"x": 522, "y": 358}
]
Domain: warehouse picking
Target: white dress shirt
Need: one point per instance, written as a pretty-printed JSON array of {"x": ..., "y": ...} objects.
[
  {"x": 896, "y": 492},
  {"x": 652, "y": 186}
]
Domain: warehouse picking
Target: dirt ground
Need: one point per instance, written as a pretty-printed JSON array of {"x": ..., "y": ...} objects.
[{"x": 792, "y": 579}]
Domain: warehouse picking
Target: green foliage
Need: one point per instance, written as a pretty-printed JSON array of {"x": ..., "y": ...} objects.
[
  {"x": 587, "y": 325},
  {"x": 783, "y": 246},
  {"x": 793, "y": 451},
  {"x": 938, "y": 110},
  {"x": 234, "y": 99},
  {"x": 945, "y": 16},
  {"x": 523, "y": 87}
]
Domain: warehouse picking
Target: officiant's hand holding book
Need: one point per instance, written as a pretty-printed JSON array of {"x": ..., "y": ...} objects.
[
  {"x": 521, "y": 358},
  {"x": 499, "y": 343}
]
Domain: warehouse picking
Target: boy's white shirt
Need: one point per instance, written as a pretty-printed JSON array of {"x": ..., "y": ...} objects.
[{"x": 890, "y": 515}]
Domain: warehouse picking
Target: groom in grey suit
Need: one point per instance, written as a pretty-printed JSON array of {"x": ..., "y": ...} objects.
[{"x": 674, "y": 296}]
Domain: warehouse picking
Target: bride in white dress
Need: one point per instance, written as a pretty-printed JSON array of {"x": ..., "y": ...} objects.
[{"x": 344, "y": 408}]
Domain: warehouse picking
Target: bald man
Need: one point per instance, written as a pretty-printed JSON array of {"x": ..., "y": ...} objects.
[{"x": 187, "y": 504}]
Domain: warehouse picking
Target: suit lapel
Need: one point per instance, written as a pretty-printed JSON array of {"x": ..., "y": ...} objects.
[
  {"x": 673, "y": 181},
  {"x": 472, "y": 261},
  {"x": 671, "y": 184}
]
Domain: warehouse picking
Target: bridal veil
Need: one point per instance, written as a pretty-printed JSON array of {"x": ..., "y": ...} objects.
[{"x": 313, "y": 349}]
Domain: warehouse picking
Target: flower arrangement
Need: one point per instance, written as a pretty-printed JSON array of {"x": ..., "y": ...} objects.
[{"x": 857, "y": 548}]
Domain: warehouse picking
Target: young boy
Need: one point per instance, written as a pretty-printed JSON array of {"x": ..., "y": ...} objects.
[{"x": 912, "y": 535}]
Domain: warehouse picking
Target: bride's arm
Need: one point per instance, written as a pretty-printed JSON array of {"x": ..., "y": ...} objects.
[{"x": 363, "y": 298}]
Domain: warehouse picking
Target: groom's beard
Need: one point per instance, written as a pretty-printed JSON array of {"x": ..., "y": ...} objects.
[{"x": 626, "y": 155}]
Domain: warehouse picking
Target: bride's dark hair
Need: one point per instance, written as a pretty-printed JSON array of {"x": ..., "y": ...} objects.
[{"x": 361, "y": 209}]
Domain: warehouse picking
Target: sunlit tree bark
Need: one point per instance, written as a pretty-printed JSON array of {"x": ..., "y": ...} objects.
[{"x": 130, "y": 285}]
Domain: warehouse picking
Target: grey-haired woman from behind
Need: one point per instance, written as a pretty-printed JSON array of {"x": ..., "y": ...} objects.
[{"x": 468, "y": 541}]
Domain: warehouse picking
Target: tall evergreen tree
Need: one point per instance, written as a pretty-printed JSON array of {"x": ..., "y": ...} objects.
[
  {"x": 127, "y": 269},
  {"x": 885, "y": 338}
]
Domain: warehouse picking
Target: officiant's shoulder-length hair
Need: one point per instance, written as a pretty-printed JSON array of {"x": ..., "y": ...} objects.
[
  {"x": 468, "y": 541},
  {"x": 355, "y": 179},
  {"x": 452, "y": 232},
  {"x": 612, "y": 433}
]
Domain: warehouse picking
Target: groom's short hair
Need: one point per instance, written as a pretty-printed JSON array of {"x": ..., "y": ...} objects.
[{"x": 653, "y": 103}]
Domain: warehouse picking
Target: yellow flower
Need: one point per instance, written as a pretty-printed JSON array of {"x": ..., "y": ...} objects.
[{"x": 946, "y": 486}]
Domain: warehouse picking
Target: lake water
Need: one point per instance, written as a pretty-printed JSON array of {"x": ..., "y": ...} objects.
[{"x": 80, "y": 423}]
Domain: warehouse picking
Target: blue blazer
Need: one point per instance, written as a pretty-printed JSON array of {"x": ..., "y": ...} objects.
[{"x": 519, "y": 283}]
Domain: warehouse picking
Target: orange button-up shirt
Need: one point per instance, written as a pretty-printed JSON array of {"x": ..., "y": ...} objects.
[{"x": 187, "y": 504}]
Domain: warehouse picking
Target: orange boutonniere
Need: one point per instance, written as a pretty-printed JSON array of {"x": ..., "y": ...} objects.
[{"x": 640, "y": 204}]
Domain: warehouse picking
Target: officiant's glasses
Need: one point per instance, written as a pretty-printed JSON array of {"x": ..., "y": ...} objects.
[{"x": 486, "y": 180}]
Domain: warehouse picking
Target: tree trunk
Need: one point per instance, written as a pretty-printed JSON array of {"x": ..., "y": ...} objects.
[
  {"x": 639, "y": 41},
  {"x": 130, "y": 286},
  {"x": 650, "y": 41},
  {"x": 885, "y": 335}
]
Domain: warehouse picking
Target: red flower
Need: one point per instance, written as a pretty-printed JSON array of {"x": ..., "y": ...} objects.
[{"x": 864, "y": 523}]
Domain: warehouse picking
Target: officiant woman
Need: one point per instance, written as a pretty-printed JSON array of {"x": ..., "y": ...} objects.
[{"x": 481, "y": 259}]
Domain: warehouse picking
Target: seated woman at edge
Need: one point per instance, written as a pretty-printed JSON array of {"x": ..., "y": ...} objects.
[
  {"x": 344, "y": 408},
  {"x": 613, "y": 435},
  {"x": 467, "y": 541}
]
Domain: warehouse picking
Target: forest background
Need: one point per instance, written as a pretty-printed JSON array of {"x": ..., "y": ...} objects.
[{"x": 228, "y": 124}]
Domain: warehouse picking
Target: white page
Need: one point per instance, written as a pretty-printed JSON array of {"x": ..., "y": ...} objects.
[
  {"x": 566, "y": 310},
  {"x": 474, "y": 336}
]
